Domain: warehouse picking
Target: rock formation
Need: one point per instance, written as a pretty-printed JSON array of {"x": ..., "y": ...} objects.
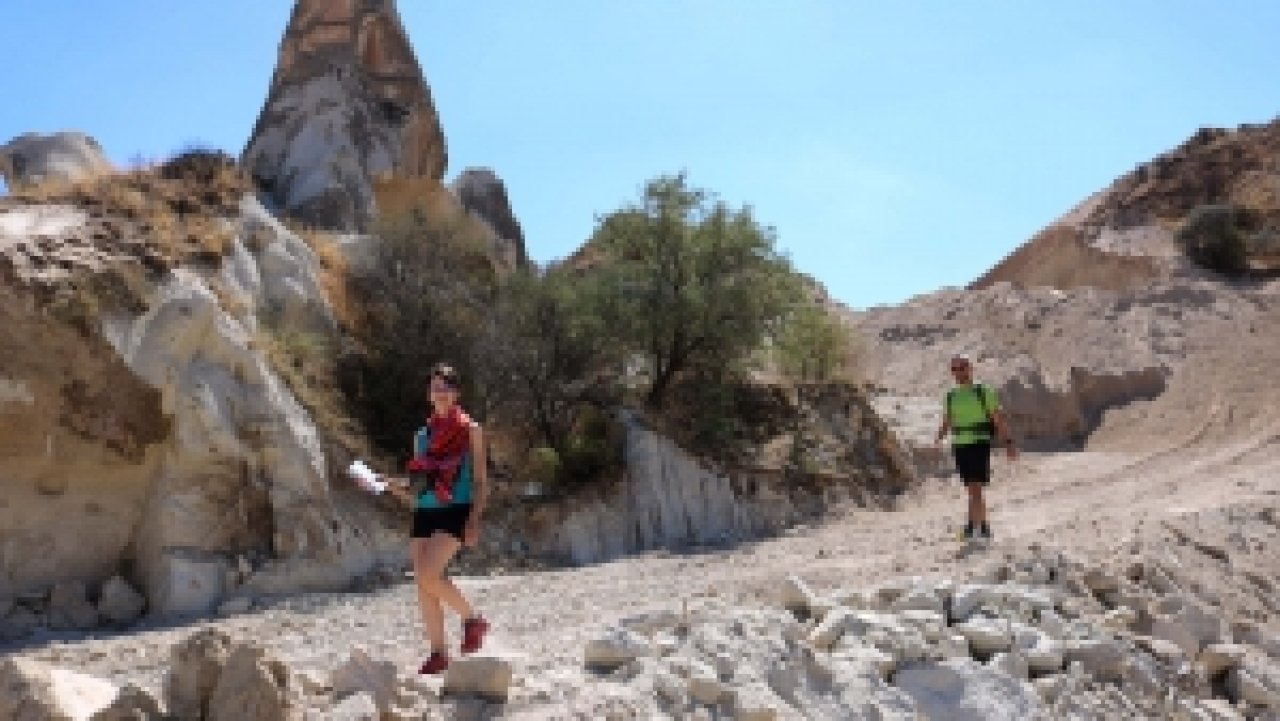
[
  {"x": 1126, "y": 235},
  {"x": 484, "y": 195},
  {"x": 32, "y": 158},
  {"x": 348, "y": 102},
  {"x": 671, "y": 499},
  {"x": 140, "y": 402}
]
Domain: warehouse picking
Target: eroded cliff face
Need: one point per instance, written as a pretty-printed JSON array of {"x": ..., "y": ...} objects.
[
  {"x": 79, "y": 436},
  {"x": 150, "y": 436},
  {"x": 348, "y": 103},
  {"x": 828, "y": 449}
]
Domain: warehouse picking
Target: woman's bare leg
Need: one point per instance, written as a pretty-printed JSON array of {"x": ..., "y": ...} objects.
[{"x": 431, "y": 557}]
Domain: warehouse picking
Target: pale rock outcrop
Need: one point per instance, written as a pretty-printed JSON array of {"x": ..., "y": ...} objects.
[
  {"x": 671, "y": 499},
  {"x": 68, "y": 156},
  {"x": 171, "y": 439},
  {"x": 348, "y": 102}
]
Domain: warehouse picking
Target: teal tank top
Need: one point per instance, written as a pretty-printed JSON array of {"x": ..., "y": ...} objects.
[{"x": 462, "y": 483}]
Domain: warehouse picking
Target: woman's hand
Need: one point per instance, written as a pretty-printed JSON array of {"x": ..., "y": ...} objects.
[{"x": 471, "y": 532}]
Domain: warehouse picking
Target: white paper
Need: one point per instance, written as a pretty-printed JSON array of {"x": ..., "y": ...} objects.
[{"x": 365, "y": 477}]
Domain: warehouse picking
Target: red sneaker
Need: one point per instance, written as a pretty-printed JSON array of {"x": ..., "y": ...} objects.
[
  {"x": 434, "y": 664},
  {"x": 473, "y": 631}
]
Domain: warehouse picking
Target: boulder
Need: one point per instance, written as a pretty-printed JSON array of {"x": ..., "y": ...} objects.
[
  {"x": 253, "y": 686},
  {"x": 32, "y": 158},
  {"x": 195, "y": 666},
  {"x": 31, "y": 691}
]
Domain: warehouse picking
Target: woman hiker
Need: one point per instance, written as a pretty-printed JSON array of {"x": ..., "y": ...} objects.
[{"x": 449, "y": 454}]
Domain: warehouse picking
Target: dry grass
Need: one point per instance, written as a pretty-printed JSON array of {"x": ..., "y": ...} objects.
[{"x": 179, "y": 215}]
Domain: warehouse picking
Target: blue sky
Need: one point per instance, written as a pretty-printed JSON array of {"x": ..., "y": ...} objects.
[{"x": 896, "y": 147}]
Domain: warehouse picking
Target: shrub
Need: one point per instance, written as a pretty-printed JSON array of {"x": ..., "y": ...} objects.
[{"x": 1212, "y": 236}]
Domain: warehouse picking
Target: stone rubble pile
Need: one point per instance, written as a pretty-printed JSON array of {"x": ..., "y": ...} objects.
[
  {"x": 1036, "y": 636},
  {"x": 1042, "y": 637}
]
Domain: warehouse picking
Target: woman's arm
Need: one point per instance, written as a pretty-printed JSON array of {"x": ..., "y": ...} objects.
[{"x": 399, "y": 487}]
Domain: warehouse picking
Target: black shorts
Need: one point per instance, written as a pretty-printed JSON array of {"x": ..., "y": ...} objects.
[
  {"x": 973, "y": 462},
  {"x": 450, "y": 519}
]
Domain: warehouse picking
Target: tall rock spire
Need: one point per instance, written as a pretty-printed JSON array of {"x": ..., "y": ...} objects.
[{"x": 348, "y": 102}]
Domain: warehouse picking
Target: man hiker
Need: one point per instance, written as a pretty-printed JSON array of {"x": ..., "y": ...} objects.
[{"x": 972, "y": 414}]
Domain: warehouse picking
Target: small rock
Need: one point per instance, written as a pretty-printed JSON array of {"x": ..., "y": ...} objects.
[
  {"x": 1120, "y": 618},
  {"x": 1222, "y": 657},
  {"x": 706, "y": 689},
  {"x": 1251, "y": 687},
  {"x": 361, "y": 674},
  {"x": 986, "y": 636},
  {"x": 488, "y": 677},
  {"x": 796, "y": 596},
  {"x": 235, "y": 606},
  {"x": 618, "y": 647},
  {"x": 312, "y": 681},
  {"x": 69, "y": 609},
  {"x": 131, "y": 704},
  {"x": 1013, "y": 664},
  {"x": 756, "y": 702},
  {"x": 356, "y": 707},
  {"x": 120, "y": 604},
  {"x": 1104, "y": 660},
  {"x": 831, "y": 629},
  {"x": 253, "y": 686}
]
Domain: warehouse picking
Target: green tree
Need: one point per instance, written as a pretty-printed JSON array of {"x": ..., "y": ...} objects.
[
  {"x": 689, "y": 282},
  {"x": 812, "y": 345},
  {"x": 428, "y": 290},
  {"x": 557, "y": 350}
]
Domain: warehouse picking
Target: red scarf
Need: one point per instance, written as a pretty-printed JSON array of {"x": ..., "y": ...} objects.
[{"x": 450, "y": 440}]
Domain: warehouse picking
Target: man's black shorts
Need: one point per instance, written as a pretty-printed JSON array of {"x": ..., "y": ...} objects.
[
  {"x": 450, "y": 519},
  {"x": 973, "y": 462}
]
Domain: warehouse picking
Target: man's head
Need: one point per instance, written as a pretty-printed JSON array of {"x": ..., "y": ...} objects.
[{"x": 961, "y": 368}]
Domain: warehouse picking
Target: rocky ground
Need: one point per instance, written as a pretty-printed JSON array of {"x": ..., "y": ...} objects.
[{"x": 1121, "y": 585}]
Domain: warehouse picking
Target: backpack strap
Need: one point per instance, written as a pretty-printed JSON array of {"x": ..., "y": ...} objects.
[{"x": 982, "y": 399}]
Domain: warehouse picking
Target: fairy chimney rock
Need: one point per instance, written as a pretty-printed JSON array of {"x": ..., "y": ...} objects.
[{"x": 348, "y": 102}]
